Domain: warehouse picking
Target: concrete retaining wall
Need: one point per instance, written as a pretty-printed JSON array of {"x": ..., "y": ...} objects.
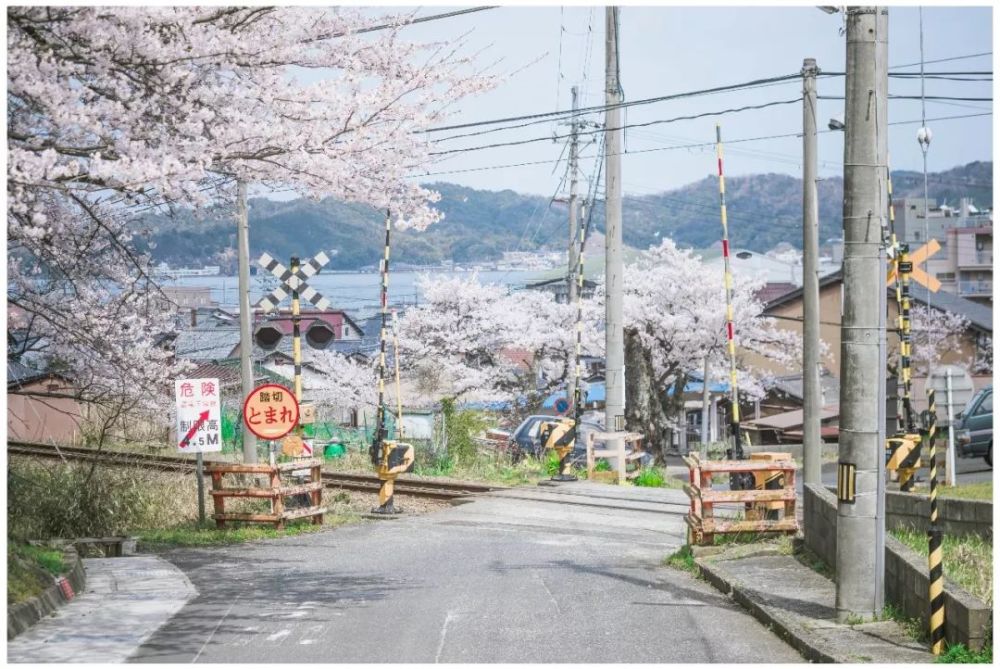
[
  {"x": 958, "y": 517},
  {"x": 21, "y": 617},
  {"x": 906, "y": 584}
]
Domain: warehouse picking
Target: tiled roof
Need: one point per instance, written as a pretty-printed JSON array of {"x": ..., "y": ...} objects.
[{"x": 209, "y": 343}]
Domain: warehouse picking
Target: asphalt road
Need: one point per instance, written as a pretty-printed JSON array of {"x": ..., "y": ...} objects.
[{"x": 568, "y": 574}]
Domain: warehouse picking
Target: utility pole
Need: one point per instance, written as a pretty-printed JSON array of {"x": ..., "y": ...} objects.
[
  {"x": 573, "y": 257},
  {"x": 614, "y": 376},
  {"x": 246, "y": 336},
  {"x": 812, "y": 403},
  {"x": 861, "y": 456}
]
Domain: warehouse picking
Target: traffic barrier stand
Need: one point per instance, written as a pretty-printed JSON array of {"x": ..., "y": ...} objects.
[
  {"x": 275, "y": 491},
  {"x": 701, "y": 520},
  {"x": 619, "y": 453},
  {"x": 902, "y": 452}
]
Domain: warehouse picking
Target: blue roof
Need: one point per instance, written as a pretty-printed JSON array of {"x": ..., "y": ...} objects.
[
  {"x": 595, "y": 392},
  {"x": 695, "y": 386}
]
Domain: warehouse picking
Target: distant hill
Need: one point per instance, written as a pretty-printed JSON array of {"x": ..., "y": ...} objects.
[{"x": 479, "y": 225}]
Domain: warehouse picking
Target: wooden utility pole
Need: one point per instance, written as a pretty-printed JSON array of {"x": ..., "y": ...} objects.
[
  {"x": 812, "y": 404},
  {"x": 614, "y": 376},
  {"x": 246, "y": 335},
  {"x": 861, "y": 455},
  {"x": 573, "y": 257}
]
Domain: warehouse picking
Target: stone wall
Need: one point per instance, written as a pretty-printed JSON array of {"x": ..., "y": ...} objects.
[
  {"x": 906, "y": 584},
  {"x": 958, "y": 517}
]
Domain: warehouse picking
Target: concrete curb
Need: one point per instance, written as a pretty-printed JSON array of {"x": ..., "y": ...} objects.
[
  {"x": 21, "y": 617},
  {"x": 785, "y": 631}
]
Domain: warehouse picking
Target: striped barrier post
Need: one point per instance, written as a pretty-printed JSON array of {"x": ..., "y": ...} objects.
[
  {"x": 380, "y": 432},
  {"x": 578, "y": 350},
  {"x": 935, "y": 553},
  {"x": 293, "y": 266},
  {"x": 737, "y": 480}
]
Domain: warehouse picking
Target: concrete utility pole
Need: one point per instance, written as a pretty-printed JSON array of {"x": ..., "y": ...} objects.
[
  {"x": 614, "y": 377},
  {"x": 573, "y": 257},
  {"x": 812, "y": 402},
  {"x": 861, "y": 457},
  {"x": 246, "y": 335}
]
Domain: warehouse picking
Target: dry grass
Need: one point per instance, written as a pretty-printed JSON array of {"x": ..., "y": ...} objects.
[{"x": 967, "y": 560}]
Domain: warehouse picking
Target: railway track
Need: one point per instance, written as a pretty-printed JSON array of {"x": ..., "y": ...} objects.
[{"x": 430, "y": 489}]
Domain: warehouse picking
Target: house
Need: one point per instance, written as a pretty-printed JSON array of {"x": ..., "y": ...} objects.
[
  {"x": 559, "y": 288},
  {"x": 41, "y": 406},
  {"x": 787, "y": 310}
]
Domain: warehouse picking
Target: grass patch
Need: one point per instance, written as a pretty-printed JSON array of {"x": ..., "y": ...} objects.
[
  {"x": 959, "y": 654},
  {"x": 981, "y": 491},
  {"x": 967, "y": 560},
  {"x": 682, "y": 559},
  {"x": 649, "y": 477},
  {"x": 30, "y": 570},
  {"x": 193, "y": 534}
]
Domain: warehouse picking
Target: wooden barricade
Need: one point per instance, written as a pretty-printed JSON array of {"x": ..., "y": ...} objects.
[
  {"x": 701, "y": 520},
  {"x": 274, "y": 491},
  {"x": 623, "y": 438}
]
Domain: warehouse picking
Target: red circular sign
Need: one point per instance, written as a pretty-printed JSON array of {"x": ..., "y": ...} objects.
[{"x": 270, "y": 411}]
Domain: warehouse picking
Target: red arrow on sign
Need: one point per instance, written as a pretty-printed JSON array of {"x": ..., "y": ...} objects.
[{"x": 202, "y": 417}]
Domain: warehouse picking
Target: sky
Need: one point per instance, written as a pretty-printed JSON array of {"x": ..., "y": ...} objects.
[{"x": 544, "y": 51}]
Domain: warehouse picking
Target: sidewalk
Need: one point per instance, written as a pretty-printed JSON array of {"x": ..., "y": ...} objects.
[
  {"x": 126, "y": 600},
  {"x": 798, "y": 604}
]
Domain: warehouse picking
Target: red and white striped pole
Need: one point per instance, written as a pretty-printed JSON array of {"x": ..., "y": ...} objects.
[{"x": 737, "y": 450}]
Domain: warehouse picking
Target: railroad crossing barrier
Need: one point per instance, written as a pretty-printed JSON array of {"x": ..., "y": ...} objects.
[
  {"x": 275, "y": 491},
  {"x": 701, "y": 520},
  {"x": 903, "y": 459},
  {"x": 619, "y": 438}
]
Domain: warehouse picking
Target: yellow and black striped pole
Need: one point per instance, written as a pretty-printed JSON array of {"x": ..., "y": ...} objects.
[
  {"x": 737, "y": 450},
  {"x": 564, "y": 466},
  {"x": 395, "y": 361},
  {"x": 935, "y": 553}
]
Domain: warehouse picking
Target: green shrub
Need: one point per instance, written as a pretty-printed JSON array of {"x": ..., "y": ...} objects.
[
  {"x": 26, "y": 570},
  {"x": 461, "y": 428},
  {"x": 650, "y": 477},
  {"x": 66, "y": 500},
  {"x": 959, "y": 654},
  {"x": 602, "y": 466},
  {"x": 552, "y": 463}
]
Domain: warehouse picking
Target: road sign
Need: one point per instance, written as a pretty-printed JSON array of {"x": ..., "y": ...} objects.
[
  {"x": 270, "y": 411},
  {"x": 562, "y": 406},
  {"x": 920, "y": 276},
  {"x": 307, "y": 414},
  {"x": 293, "y": 281},
  {"x": 198, "y": 423}
]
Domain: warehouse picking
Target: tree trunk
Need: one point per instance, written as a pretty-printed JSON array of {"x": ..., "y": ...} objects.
[{"x": 643, "y": 406}]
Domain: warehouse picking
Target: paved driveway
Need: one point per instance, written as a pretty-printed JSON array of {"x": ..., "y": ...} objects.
[{"x": 567, "y": 574}]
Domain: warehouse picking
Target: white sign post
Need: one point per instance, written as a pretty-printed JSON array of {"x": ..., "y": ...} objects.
[{"x": 199, "y": 427}]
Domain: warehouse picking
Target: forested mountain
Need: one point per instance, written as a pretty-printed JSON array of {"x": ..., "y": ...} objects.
[{"x": 479, "y": 225}]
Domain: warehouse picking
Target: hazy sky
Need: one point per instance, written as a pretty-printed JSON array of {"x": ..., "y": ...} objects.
[{"x": 667, "y": 50}]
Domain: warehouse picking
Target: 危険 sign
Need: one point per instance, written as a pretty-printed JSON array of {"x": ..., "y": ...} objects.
[
  {"x": 270, "y": 411},
  {"x": 198, "y": 423}
]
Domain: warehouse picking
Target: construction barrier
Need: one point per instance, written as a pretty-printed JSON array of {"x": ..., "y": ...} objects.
[
  {"x": 701, "y": 520},
  {"x": 274, "y": 491},
  {"x": 622, "y": 460}
]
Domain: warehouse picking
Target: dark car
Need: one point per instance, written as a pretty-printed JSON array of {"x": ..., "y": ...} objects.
[
  {"x": 974, "y": 427},
  {"x": 525, "y": 440}
]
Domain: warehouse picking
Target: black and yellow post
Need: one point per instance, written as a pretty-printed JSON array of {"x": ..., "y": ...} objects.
[
  {"x": 560, "y": 436},
  {"x": 904, "y": 458},
  {"x": 389, "y": 457},
  {"x": 934, "y": 555}
]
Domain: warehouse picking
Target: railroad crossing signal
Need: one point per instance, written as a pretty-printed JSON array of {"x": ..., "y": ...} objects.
[
  {"x": 293, "y": 281},
  {"x": 920, "y": 276}
]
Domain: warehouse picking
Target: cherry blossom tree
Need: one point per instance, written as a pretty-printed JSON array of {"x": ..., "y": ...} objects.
[
  {"x": 934, "y": 332},
  {"x": 472, "y": 340},
  {"x": 117, "y": 111},
  {"x": 674, "y": 312},
  {"x": 348, "y": 383}
]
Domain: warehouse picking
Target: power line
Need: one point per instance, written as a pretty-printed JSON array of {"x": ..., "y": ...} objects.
[
  {"x": 942, "y": 60},
  {"x": 422, "y": 19},
  {"x": 686, "y": 146},
  {"x": 622, "y": 127},
  {"x": 602, "y": 108}
]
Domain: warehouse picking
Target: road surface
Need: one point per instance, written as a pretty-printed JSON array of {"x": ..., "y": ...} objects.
[{"x": 567, "y": 574}]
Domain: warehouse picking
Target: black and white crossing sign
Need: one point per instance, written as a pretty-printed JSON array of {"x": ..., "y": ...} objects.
[{"x": 292, "y": 281}]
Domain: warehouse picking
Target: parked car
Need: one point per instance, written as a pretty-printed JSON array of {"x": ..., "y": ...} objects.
[
  {"x": 525, "y": 440},
  {"x": 974, "y": 427}
]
